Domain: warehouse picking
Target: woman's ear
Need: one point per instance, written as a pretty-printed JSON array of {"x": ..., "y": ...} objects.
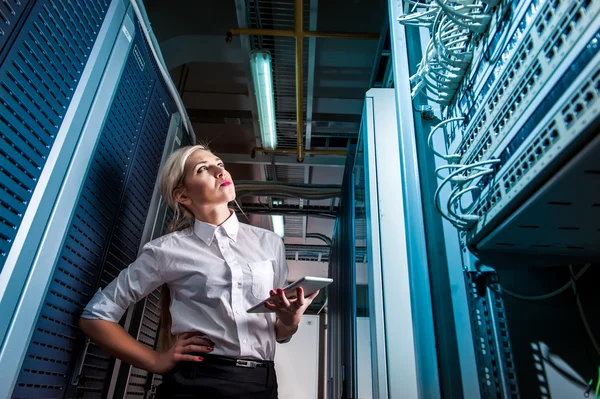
[{"x": 181, "y": 197}]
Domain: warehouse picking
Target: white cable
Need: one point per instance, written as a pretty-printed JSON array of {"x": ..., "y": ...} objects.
[
  {"x": 548, "y": 295},
  {"x": 475, "y": 21},
  {"x": 455, "y": 197},
  {"x": 455, "y": 166},
  {"x": 588, "y": 330},
  {"x": 457, "y": 177},
  {"x": 450, "y": 51},
  {"x": 443, "y": 67},
  {"x": 419, "y": 18},
  {"x": 436, "y": 197},
  {"x": 458, "y": 192},
  {"x": 165, "y": 74},
  {"x": 449, "y": 157},
  {"x": 445, "y": 30}
]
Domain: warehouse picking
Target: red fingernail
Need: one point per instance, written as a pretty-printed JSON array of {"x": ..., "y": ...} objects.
[
  {"x": 272, "y": 292},
  {"x": 200, "y": 358},
  {"x": 210, "y": 348},
  {"x": 279, "y": 290}
]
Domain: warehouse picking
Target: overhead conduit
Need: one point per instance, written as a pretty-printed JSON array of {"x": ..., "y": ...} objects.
[{"x": 287, "y": 190}]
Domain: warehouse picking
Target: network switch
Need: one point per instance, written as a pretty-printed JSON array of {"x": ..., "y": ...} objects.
[
  {"x": 555, "y": 38},
  {"x": 491, "y": 57},
  {"x": 560, "y": 219},
  {"x": 556, "y": 130}
]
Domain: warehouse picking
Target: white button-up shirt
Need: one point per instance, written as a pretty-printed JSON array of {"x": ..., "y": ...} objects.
[{"x": 214, "y": 273}]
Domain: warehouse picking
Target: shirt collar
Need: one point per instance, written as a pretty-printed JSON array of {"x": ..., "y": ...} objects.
[{"x": 206, "y": 231}]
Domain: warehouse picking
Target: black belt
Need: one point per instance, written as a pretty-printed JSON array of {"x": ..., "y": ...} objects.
[{"x": 230, "y": 361}]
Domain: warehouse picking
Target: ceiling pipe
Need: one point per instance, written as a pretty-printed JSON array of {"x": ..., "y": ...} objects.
[
  {"x": 299, "y": 34},
  {"x": 285, "y": 210},
  {"x": 321, "y": 237},
  {"x": 298, "y": 30},
  {"x": 291, "y": 151},
  {"x": 292, "y": 33}
]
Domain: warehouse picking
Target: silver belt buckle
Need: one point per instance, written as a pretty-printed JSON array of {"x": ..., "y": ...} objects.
[{"x": 245, "y": 363}]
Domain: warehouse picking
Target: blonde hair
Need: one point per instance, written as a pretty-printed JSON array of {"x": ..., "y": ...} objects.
[{"x": 171, "y": 178}]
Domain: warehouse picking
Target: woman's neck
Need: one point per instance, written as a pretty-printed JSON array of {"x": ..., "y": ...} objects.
[{"x": 215, "y": 215}]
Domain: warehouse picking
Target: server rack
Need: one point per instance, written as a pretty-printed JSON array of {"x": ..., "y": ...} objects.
[
  {"x": 498, "y": 130},
  {"x": 87, "y": 119}
]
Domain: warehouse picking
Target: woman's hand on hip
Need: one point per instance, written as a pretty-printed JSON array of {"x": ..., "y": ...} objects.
[
  {"x": 289, "y": 311},
  {"x": 181, "y": 352}
]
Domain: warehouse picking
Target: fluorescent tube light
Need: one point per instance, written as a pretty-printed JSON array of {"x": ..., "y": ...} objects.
[
  {"x": 277, "y": 221},
  {"x": 262, "y": 77}
]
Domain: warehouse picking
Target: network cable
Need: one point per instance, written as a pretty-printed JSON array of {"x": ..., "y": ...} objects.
[
  {"x": 548, "y": 295},
  {"x": 449, "y": 53},
  {"x": 452, "y": 158},
  {"x": 571, "y": 283},
  {"x": 588, "y": 330},
  {"x": 456, "y": 196},
  {"x": 454, "y": 26},
  {"x": 458, "y": 177},
  {"x": 420, "y": 18},
  {"x": 470, "y": 16}
]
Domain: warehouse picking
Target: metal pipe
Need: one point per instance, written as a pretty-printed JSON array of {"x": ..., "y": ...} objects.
[
  {"x": 292, "y": 33},
  {"x": 320, "y": 236},
  {"x": 298, "y": 29},
  {"x": 291, "y": 151},
  {"x": 261, "y": 32},
  {"x": 312, "y": 211},
  {"x": 343, "y": 35}
]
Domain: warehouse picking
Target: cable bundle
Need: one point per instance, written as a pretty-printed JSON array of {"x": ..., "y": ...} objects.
[
  {"x": 454, "y": 25},
  {"x": 287, "y": 190},
  {"x": 450, "y": 50},
  {"x": 462, "y": 178},
  {"x": 423, "y": 18}
]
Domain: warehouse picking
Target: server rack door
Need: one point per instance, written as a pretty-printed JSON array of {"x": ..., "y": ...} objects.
[
  {"x": 39, "y": 73},
  {"x": 104, "y": 235},
  {"x": 51, "y": 62}
]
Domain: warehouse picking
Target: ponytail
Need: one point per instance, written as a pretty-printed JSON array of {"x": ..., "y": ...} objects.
[{"x": 171, "y": 178}]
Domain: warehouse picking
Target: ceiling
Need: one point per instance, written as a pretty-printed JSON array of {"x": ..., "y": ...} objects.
[{"x": 213, "y": 78}]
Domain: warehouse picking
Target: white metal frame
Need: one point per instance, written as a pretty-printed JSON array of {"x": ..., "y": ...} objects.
[
  {"x": 397, "y": 361},
  {"x": 425, "y": 343}
]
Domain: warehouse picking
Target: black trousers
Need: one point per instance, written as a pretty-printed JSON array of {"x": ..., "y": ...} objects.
[{"x": 207, "y": 380}]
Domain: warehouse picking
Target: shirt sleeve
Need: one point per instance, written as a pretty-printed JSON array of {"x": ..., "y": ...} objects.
[
  {"x": 133, "y": 283},
  {"x": 281, "y": 275}
]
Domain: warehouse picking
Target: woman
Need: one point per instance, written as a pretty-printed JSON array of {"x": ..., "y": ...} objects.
[{"x": 215, "y": 268}]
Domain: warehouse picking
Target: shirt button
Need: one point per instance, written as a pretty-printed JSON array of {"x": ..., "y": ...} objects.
[
  {"x": 239, "y": 285},
  {"x": 237, "y": 312},
  {"x": 245, "y": 341}
]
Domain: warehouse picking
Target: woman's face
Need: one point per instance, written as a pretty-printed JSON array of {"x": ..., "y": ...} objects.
[{"x": 206, "y": 182}]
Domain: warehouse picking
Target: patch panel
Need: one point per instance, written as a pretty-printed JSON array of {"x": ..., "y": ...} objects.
[
  {"x": 533, "y": 155},
  {"x": 544, "y": 55},
  {"x": 563, "y": 85},
  {"x": 572, "y": 232},
  {"x": 504, "y": 41},
  {"x": 492, "y": 51},
  {"x": 480, "y": 122},
  {"x": 505, "y": 118}
]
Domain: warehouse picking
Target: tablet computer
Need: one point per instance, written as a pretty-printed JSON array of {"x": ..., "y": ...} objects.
[{"x": 309, "y": 284}]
